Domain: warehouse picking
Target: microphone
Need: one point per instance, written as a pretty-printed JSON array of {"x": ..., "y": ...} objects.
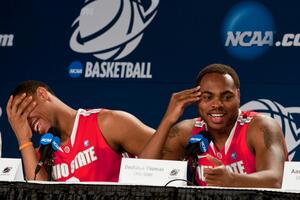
[
  {"x": 45, "y": 150},
  {"x": 55, "y": 143},
  {"x": 197, "y": 144},
  {"x": 48, "y": 144}
]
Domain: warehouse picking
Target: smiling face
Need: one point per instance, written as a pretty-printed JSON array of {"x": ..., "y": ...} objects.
[
  {"x": 38, "y": 120},
  {"x": 219, "y": 103},
  {"x": 39, "y": 117}
]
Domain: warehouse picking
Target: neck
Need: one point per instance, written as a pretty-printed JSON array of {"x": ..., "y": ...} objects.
[
  {"x": 219, "y": 137},
  {"x": 65, "y": 121}
]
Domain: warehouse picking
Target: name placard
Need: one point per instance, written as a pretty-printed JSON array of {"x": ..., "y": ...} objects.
[
  {"x": 153, "y": 172},
  {"x": 291, "y": 176},
  {"x": 11, "y": 169}
]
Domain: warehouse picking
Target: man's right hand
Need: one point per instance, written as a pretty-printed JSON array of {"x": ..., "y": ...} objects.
[
  {"x": 177, "y": 104},
  {"x": 18, "y": 108},
  {"x": 179, "y": 101}
]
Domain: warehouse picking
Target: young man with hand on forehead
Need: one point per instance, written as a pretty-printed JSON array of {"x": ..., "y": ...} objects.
[
  {"x": 92, "y": 141},
  {"x": 247, "y": 149}
]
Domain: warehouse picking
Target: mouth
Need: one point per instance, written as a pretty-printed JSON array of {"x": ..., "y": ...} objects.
[
  {"x": 35, "y": 125},
  {"x": 217, "y": 117}
]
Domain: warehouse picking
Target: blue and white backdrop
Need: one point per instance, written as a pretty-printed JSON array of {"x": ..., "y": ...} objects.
[{"x": 132, "y": 54}]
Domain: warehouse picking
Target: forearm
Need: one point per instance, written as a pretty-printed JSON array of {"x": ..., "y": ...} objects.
[
  {"x": 262, "y": 179},
  {"x": 30, "y": 162},
  {"x": 154, "y": 148}
]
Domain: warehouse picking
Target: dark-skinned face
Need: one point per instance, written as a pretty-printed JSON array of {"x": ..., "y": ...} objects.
[{"x": 220, "y": 101}]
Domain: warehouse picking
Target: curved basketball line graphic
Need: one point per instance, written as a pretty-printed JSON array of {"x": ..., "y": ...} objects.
[
  {"x": 121, "y": 32},
  {"x": 283, "y": 115}
]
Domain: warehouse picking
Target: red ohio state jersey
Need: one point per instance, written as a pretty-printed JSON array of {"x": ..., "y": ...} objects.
[
  {"x": 87, "y": 156},
  {"x": 235, "y": 154}
]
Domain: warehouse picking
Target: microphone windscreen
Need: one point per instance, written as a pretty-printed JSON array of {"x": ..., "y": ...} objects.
[
  {"x": 197, "y": 144},
  {"x": 56, "y": 143},
  {"x": 45, "y": 146},
  {"x": 46, "y": 139},
  {"x": 195, "y": 138},
  {"x": 203, "y": 145}
]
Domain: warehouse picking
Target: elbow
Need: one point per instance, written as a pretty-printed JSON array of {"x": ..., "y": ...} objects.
[
  {"x": 269, "y": 179},
  {"x": 275, "y": 182},
  {"x": 276, "y": 185}
]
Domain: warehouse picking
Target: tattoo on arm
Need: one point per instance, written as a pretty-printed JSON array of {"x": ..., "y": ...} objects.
[
  {"x": 267, "y": 137},
  {"x": 174, "y": 132},
  {"x": 270, "y": 138},
  {"x": 172, "y": 147}
]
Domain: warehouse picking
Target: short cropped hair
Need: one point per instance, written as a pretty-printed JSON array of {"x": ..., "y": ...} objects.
[
  {"x": 30, "y": 87},
  {"x": 220, "y": 69}
]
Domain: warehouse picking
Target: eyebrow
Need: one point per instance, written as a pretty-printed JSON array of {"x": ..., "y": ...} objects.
[
  {"x": 223, "y": 93},
  {"x": 227, "y": 92}
]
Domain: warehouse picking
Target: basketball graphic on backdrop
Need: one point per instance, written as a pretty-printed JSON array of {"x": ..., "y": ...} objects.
[
  {"x": 100, "y": 21},
  {"x": 284, "y": 116}
]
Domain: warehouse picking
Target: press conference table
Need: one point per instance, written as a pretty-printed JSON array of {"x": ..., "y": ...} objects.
[{"x": 48, "y": 190}]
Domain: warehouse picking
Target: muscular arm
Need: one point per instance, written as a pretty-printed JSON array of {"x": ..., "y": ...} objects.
[
  {"x": 18, "y": 108},
  {"x": 178, "y": 136},
  {"x": 123, "y": 131},
  {"x": 30, "y": 162},
  {"x": 265, "y": 138},
  {"x": 169, "y": 140},
  {"x": 169, "y": 146}
]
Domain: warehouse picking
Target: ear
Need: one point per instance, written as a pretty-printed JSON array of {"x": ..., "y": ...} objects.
[{"x": 42, "y": 93}]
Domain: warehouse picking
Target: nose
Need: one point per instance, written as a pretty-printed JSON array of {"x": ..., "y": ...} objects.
[{"x": 217, "y": 103}]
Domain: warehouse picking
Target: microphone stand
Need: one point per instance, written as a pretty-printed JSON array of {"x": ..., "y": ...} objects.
[
  {"x": 194, "y": 168},
  {"x": 49, "y": 166}
]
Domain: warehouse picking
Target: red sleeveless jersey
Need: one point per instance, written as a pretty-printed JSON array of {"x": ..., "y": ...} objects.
[
  {"x": 235, "y": 155},
  {"x": 87, "y": 156}
]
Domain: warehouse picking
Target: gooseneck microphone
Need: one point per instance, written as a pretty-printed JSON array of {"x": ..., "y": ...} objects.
[
  {"x": 198, "y": 144},
  {"x": 48, "y": 145},
  {"x": 45, "y": 150}
]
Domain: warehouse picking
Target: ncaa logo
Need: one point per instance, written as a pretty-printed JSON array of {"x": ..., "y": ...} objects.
[
  {"x": 285, "y": 116},
  {"x": 75, "y": 69},
  {"x": 248, "y": 30},
  {"x": 111, "y": 29}
]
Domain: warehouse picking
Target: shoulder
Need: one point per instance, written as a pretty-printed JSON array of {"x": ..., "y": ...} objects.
[
  {"x": 262, "y": 121},
  {"x": 263, "y": 129},
  {"x": 112, "y": 122},
  {"x": 117, "y": 121},
  {"x": 110, "y": 116},
  {"x": 106, "y": 113},
  {"x": 182, "y": 130},
  {"x": 185, "y": 125},
  {"x": 122, "y": 129}
]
